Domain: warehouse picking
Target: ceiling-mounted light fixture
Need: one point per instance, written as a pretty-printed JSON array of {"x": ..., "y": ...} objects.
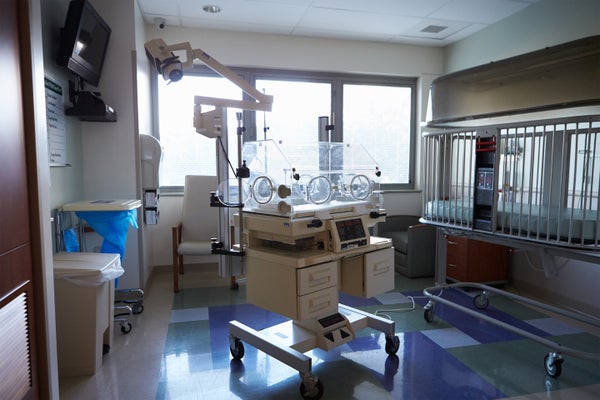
[{"x": 211, "y": 9}]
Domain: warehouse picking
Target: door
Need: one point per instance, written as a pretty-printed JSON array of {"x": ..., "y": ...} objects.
[{"x": 18, "y": 376}]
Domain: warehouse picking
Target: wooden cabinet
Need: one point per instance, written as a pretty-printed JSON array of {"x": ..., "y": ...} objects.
[{"x": 469, "y": 260}]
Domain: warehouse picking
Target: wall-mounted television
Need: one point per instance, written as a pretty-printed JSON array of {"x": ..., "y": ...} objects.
[{"x": 84, "y": 40}]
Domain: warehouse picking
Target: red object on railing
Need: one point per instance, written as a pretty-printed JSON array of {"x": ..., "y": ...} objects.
[{"x": 485, "y": 144}]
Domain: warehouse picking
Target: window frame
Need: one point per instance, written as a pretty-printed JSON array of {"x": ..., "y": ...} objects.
[{"x": 337, "y": 81}]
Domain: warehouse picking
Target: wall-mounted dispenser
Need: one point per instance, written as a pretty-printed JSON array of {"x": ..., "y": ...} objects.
[{"x": 151, "y": 155}]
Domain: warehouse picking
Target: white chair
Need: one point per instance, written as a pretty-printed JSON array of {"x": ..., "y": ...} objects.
[{"x": 199, "y": 223}]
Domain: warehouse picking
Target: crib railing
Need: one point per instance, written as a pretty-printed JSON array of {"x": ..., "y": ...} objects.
[{"x": 545, "y": 178}]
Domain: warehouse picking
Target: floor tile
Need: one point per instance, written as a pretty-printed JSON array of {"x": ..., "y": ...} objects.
[
  {"x": 188, "y": 314},
  {"x": 393, "y": 298},
  {"x": 553, "y": 326},
  {"x": 450, "y": 337}
]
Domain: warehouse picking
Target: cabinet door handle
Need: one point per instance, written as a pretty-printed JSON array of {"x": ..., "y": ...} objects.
[
  {"x": 450, "y": 242},
  {"x": 452, "y": 265}
]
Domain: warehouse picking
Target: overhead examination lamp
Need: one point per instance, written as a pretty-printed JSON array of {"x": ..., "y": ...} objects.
[{"x": 172, "y": 68}]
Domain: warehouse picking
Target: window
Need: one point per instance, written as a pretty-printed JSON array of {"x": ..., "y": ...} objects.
[
  {"x": 185, "y": 151},
  {"x": 379, "y": 118},
  {"x": 377, "y": 112},
  {"x": 296, "y": 109}
]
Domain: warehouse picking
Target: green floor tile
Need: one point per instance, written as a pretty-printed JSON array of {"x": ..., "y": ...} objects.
[
  {"x": 208, "y": 296},
  {"x": 515, "y": 308},
  {"x": 404, "y": 284},
  {"x": 183, "y": 336}
]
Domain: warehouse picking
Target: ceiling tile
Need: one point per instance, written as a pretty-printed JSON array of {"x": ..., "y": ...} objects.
[
  {"x": 159, "y": 7},
  {"x": 413, "y": 8},
  {"x": 354, "y": 21},
  {"x": 478, "y": 11},
  {"x": 276, "y": 14}
]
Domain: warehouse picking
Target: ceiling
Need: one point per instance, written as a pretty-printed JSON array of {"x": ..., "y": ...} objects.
[{"x": 422, "y": 22}]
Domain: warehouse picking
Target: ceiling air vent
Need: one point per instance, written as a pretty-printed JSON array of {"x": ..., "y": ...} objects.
[{"x": 433, "y": 29}]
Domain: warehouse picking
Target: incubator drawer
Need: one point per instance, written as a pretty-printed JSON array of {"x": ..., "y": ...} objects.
[
  {"x": 368, "y": 274},
  {"x": 318, "y": 304},
  {"x": 379, "y": 272},
  {"x": 317, "y": 277}
]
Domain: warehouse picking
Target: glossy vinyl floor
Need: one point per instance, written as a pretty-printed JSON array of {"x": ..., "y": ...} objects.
[{"x": 179, "y": 349}]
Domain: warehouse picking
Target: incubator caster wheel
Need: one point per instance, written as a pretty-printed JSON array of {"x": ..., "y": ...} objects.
[
  {"x": 311, "y": 388},
  {"x": 392, "y": 344},
  {"x": 126, "y": 327},
  {"x": 481, "y": 301},
  {"x": 236, "y": 347},
  {"x": 553, "y": 364}
]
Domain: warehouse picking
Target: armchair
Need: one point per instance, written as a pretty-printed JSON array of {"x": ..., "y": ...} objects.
[
  {"x": 414, "y": 245},
  {"x": 191, "y": 236}
]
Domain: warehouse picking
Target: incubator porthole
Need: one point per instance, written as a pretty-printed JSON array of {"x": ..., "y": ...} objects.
[
  {"x": 263, "y": 189},
  {"x": 300, "y": 188},
  {"x": 360, "y": 187},
  {"x": 318, "y": 190},
  {"x": 228, "y": 191}
]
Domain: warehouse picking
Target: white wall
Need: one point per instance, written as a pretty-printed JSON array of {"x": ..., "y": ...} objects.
[
  {"x": 111, "y": 150},
  {"x": 546, "y": 23},
  {"x": 309, "y": 54},
  {"x": 67, "y": 182}
]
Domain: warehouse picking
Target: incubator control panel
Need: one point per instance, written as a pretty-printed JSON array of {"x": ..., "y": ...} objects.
[{"x": 348, "y": 234}]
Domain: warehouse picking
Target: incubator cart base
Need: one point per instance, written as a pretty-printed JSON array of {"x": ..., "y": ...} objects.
[
  {"x": 553, "y": 360},
  {"x": 289, "y": 340}
]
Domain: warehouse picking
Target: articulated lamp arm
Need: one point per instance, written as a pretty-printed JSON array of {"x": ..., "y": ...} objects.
[{"x": 172, "y": 69}]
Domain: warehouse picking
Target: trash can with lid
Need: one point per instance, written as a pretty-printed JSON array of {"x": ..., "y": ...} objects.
[{"x": 84, "y": 297}]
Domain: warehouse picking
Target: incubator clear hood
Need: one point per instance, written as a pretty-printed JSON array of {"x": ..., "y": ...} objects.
[{"x": 555, "y": 82}]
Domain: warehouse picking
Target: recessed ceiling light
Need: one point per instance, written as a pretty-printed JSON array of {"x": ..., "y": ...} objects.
[{"x": 212, "y": 9}]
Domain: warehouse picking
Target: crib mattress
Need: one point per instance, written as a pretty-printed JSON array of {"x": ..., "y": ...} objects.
[{"x": 572, "y": 225}]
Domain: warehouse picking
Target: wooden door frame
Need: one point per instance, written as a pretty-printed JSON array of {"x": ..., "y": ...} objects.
[{"x": 38, "y": 178}]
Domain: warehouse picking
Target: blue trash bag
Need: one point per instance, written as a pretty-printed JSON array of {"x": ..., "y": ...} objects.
[
  {"x": 112, "y": 226},
  {"x": 70, "y": 240}
]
